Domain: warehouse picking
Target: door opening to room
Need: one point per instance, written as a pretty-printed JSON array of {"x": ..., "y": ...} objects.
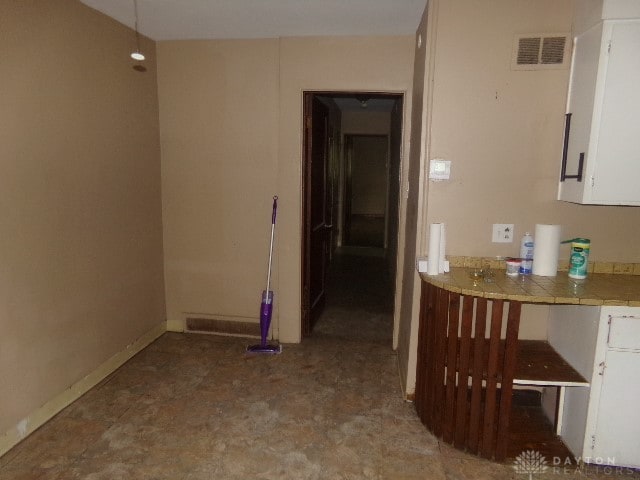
[{"x": 351, "y": 195}]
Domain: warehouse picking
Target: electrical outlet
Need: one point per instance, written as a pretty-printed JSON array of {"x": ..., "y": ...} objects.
[{"x": 502, "y": 233}]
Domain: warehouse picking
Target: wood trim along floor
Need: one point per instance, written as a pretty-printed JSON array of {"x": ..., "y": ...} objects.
[{"x": 38, "y": 417}]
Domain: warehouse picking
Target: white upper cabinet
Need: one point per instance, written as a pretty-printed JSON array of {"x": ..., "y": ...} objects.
[{"x": 601, "y": 154}]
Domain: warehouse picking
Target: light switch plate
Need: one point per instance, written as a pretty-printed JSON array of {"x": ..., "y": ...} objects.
[
  {"x": 439, "y": 169},
  {"x": 502, "y": 233}
]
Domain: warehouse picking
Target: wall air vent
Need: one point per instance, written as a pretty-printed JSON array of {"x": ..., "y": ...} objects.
[
  {"x": 223, "y": 327},
  {"x": 540, "y": 51}
]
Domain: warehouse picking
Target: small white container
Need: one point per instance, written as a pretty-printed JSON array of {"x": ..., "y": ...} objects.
[{"x": 513, "y": 266}]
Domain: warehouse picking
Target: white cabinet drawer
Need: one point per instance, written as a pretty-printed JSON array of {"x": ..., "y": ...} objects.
[{"x": 624, "y": 332}]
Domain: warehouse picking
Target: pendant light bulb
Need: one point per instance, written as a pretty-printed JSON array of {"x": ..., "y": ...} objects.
[{"x": 137, "y": 54}]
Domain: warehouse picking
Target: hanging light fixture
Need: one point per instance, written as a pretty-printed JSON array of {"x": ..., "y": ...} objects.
[{"x": 137, "y": 54}]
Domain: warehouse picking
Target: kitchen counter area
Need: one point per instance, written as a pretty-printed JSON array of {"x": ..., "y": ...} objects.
[
  {"x": 473, "y": 364},
  {"x": 597, "y": 289}
]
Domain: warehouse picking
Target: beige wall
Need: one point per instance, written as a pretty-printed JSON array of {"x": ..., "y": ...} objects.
[
  {"x": 586, "y": 13},
  {"x": 219, "y": 135},
  {"x": 231, "y": 129},
  {"x": 81, "y": 243},
  {"x": 503, "y": 133}
]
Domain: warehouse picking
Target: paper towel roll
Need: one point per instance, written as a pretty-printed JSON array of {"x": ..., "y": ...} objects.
[
  {"x": 443, "y": 247},
  {"x": 546, "y": 249},
  {"x": 435, "y": 236}
]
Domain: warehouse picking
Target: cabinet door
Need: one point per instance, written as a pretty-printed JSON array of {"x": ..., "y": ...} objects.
[
  {"x": 616, "y": 170},
  {"x": 624, "y": 332},
  {"x": 618, "y": 424},
  {"x": 580, "y": 104}
]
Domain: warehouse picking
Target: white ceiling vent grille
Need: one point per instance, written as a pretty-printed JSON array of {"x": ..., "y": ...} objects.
[{"x": 540, "y": 51}]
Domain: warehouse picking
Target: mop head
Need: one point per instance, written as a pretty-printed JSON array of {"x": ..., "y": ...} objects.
[{"x": 264, "y": 349}]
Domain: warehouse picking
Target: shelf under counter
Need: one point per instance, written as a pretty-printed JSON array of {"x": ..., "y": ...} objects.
[
  {"x": 466, "y": 372},
  {"x": 538, "y": 363}
]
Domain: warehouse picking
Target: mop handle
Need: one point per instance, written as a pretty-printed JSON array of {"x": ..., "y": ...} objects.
[
  {"x": 275, "y": 207},
  {"x": 273, "y": 224}
]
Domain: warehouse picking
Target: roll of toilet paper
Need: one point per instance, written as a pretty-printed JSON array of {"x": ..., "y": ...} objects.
[
  {"x": 435, "y": 237},
  {"x": 546, "y": 249}
]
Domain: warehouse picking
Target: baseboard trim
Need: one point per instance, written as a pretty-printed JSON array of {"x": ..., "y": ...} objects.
[
  {"x": 219, "y": 326},
  {"x": 178, "y": 326},
  {"x": 39, "y": 417}
]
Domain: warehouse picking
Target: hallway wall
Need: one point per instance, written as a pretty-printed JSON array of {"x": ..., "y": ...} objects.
[
  {"x": 369, "y": 175},
  {"x": 365, "y": 122},
  {"x": 231, "y": 129},
  {"x": 81, "y": 246}
]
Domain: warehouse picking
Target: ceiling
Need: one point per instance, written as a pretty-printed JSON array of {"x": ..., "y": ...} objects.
[{"x": 210, "y": 19}]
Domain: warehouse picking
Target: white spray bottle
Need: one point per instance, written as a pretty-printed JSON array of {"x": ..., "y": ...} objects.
[{"x": 526, "y": 254}]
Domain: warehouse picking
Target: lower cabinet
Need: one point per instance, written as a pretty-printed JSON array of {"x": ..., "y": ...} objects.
[
  {"x": 601, "y": 424},
  {"x": 617, "y": 423}
]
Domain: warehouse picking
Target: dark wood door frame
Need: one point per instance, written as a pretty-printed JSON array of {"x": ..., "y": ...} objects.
[
  {"x": 316, "y": 236},
  {"x": 307, "y": 151}
]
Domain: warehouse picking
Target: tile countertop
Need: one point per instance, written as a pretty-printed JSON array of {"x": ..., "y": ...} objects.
[{"x": 596, "y": 289}]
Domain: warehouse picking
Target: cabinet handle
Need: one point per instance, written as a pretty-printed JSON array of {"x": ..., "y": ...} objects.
[{"x": 565, "y": 148}]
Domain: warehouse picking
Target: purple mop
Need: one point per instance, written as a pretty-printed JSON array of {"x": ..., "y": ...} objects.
[{"x": 266, "y": 307}]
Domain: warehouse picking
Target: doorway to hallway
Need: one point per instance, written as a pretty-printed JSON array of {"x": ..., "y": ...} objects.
[{"x": 351, "y": 195}]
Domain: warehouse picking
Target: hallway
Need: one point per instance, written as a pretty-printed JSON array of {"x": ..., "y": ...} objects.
[
  {"x": 195, "y": 407},
  {"x": 359, "y": 304}
]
